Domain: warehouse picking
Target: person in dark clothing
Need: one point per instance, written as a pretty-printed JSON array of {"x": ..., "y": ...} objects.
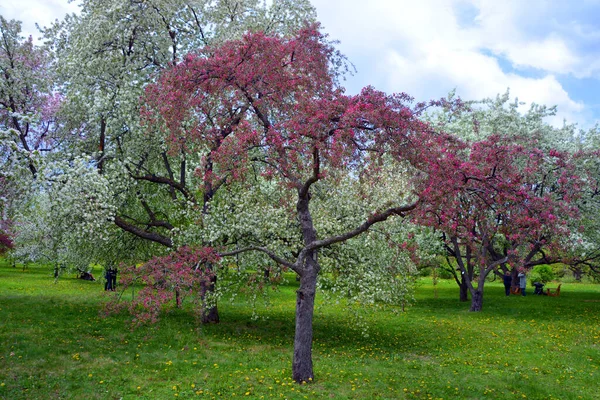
[
  {"x": 539, "y": 288},
  {"x": 507, "y": 278},
  {"x": 111, "y": 279},
  {"x": 108, "y": 277}
]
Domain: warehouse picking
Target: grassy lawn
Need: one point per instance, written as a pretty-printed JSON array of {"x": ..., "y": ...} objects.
[{"x": 54, "y": 344}]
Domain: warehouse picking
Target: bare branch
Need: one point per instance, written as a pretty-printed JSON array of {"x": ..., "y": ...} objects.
[
  {"x": 139, "y": 232},
  {"x": 268, "y": 252},
  {"x": 166, "y": 181},
  {"x": 372, "y": 220}
]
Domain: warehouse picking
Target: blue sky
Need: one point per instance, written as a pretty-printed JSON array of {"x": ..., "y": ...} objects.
[{"x": 545, "y": 51}]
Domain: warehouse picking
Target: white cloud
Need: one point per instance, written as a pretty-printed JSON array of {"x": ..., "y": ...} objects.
[
  {"x": 30, "y": 12},
  {"x": 551, "y": 54},
  {"x": 475, "y": 76},
  {"x": 426, "y": 49},
  {"x": 501, "y": 30}
]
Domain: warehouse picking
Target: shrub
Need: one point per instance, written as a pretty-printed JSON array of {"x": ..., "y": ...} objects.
[{"x": 542, "y": 273}]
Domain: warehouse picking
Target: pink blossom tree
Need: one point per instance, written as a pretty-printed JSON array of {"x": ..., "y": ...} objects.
[
  {"x": 501, "y": 201},
  {"x": 273, "y": 104},
  {"x": 165, "y": 279}
]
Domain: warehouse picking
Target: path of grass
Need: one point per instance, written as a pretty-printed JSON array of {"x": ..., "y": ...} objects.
[{"x": 54, "y": 345}]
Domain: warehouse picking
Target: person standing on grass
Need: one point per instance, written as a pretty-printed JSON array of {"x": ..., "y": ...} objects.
[
  {"x": 522, "y": 281},
  {"x": 507, "y": 278}
]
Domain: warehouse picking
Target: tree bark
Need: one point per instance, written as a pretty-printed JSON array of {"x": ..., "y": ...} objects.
[
  {"x": 302, "y": 366},
  {"x": 101, "y": 146},
  {"x": 210, "y": 315},
  {"x": 152, "y": 236},
  {"x": 477, "y": 300},
  {"x": 177, "y": 298},
  {"x": 514, "y": 279},
  {"x": 463, "y": 289}
]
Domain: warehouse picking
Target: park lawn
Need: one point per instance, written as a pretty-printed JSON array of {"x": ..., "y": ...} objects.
[{"x": 54, "y": 344}]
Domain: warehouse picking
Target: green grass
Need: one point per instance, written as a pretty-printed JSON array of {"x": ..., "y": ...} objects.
[{"x": 54, "y": 345}]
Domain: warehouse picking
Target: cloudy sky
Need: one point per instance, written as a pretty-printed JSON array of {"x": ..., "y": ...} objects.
[{"x": 545, "y": 51}]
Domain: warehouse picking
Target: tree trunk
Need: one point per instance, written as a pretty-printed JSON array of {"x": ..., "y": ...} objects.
[
  {"x": 101, "y": 146},
  {"x": 477, "y": 300},
  {"x": 302, "y": 366},
  {"x": 210, "y": 315},
  {"x": 515, "y": 280},
  {"x": 464, "y": 289}
]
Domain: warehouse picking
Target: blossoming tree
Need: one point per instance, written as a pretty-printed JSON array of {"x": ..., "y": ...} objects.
[
  {"x": 104, "y": 62},
  {"x": 501, "y": 201},
  {"x": 27, "y": 122},
  {"x": 508, "y": 123},
  {"x": 105, "y": 56},
  {"x": 273, "y": 105}
]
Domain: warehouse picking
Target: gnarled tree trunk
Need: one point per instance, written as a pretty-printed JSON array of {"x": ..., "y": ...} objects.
[
  {"x": 464, "y": 289},
  {"x": 210, "y": 315},
  {"x": 302, "y": 366},
  {"x": 477, "y": 300}
]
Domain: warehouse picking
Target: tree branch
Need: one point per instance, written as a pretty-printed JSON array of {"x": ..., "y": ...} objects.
[
  {"x": 372, "y": 220},
  {"x": 268, "y": 252},
  {"x": 166, "y": 181},
  {"x": 139, "y": 232}
]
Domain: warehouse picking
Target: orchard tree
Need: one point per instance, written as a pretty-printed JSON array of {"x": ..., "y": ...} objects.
[
  {"x": 27, "y": 122},
  {"x": 163, "y": 279},
  {"x": 501, "y": 201},
  {"x": 27, "y": 102},
  {"x": 106, "y": 55},
  {"x": 55, "y": 227},
  {"x": 105, "y": 60},
  {"x": 273, "y": 104},
  {"x": 258, "y": 211},
  {"x": 509, "y": 120},
  {"x": 583, "y": 256},
  {"x": 479, "y": 119}
]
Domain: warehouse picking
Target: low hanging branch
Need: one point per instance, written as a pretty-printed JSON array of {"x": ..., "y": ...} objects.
[{"x": 180, "y": 274}]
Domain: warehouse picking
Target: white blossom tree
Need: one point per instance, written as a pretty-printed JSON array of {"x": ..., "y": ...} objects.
[{"x": 105, "y": 57}]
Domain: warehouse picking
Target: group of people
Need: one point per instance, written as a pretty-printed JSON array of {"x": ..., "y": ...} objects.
[
  {"x": 508, "y": 282},
  {"x": 110, "y": 274}
]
